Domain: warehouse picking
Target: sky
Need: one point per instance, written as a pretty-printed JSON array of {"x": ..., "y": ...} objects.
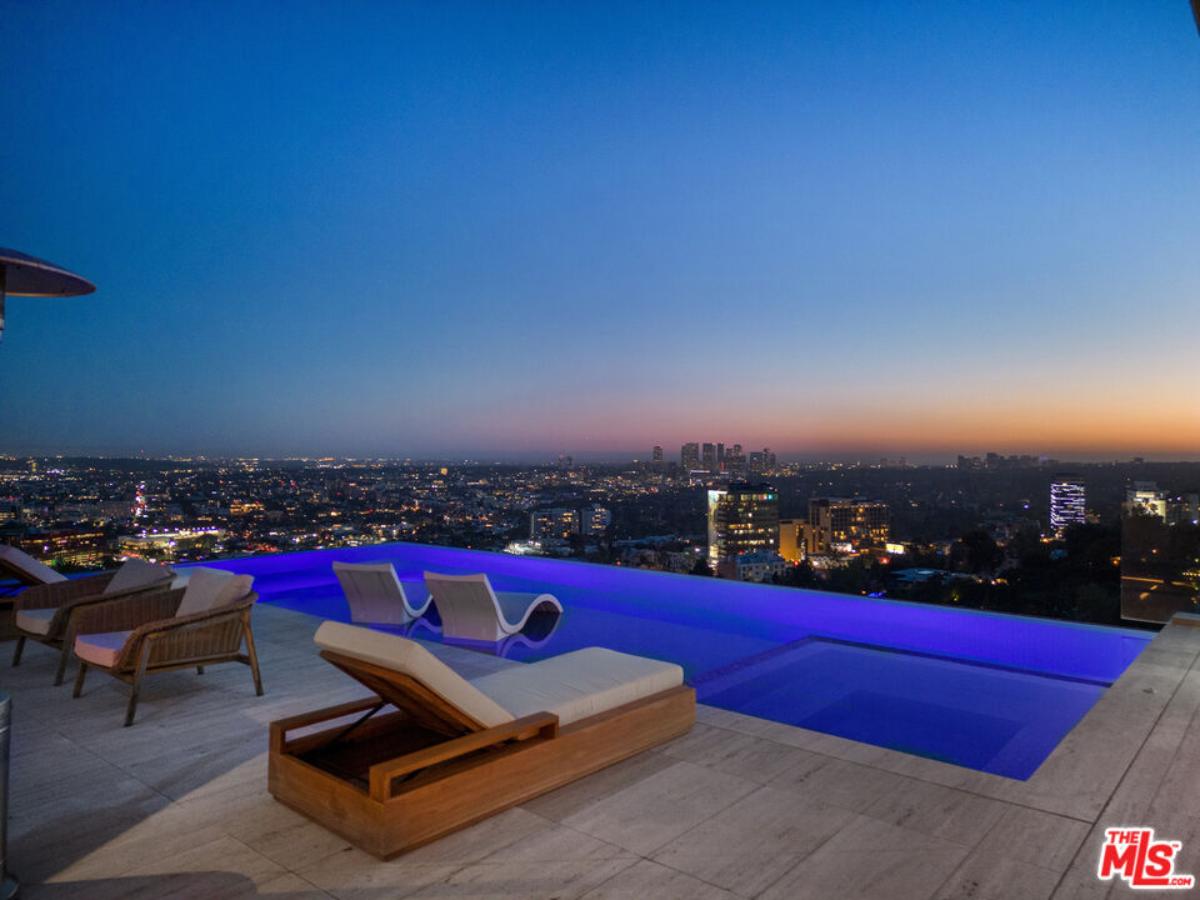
[{"x": 510, "y": 230}]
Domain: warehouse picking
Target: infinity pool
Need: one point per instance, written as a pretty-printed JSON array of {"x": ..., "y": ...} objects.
[{"x": 982, "y": 690}]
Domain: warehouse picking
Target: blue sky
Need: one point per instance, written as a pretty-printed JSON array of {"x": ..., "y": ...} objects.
[{"x": 517, "y": 229}]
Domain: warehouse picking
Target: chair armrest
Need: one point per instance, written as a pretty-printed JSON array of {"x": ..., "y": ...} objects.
[
  {"x": 61, "y": 593},
  {"x": 543, "y": 724},
  {"x": 280, "y": 727},
  {"x": 124, "y": 612}
]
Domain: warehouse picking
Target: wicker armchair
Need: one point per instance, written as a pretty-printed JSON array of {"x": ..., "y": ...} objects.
[
  {"x": 55, "y": 603},
  {"x": 142, "y": 634}
]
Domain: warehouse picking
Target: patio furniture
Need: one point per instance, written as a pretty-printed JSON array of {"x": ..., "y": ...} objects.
[
  {"x": 430, "y": 752},
  {"x": 43, "y": 613},
  {"x": 471, "y": 610},
  {"x": 160, "y": 631},
  {"x": 378, "y": 597},
  {"x": 20, "y": 565}
]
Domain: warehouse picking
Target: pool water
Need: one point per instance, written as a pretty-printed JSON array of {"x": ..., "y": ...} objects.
[{"x": 987, "y": 691}]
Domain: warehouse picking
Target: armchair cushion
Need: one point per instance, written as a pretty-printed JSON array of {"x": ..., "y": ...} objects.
[
  {"x": 35, "y": 621},
  {"x": 212, "y": 588},
  {"x": 135, "y": 573},
  {"x": 101, "y": 649}
]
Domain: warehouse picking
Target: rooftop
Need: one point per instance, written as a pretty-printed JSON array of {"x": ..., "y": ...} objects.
[{"x": 740, "y": 807}]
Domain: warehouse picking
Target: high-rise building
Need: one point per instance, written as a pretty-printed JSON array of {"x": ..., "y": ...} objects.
[
  {"x": 689, "y": 457},
  {"x": 791, "y": 539},
  {"x": 742, "y": 518},
  {"x": 558, "y": 522},
  {"x": 846, "y": 525},
  {"x": 720, "y": 455},
  {"x": 708, "y": 458},
  {"x": 656, "y": 455},
  {"x": 595, "y": 520},
  {"x": 761, "y": 461},
  {"x": 1068, "y": 498}
]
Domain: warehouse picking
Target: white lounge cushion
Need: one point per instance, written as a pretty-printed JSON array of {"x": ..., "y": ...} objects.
[
  {"x": 579, "y": 684},
  {"x": 209, "y": 588},
  {"x": 101, "y": 649},
  {"x": 27, "y": 567},
  {"x": 35, "y": 621},
  {"x": 408, "y": 657},
  {"x": 136, "y": 573}
]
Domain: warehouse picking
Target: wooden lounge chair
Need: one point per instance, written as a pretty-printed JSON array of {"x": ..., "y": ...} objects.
[
  {"x": 161, "y": 631},
  {"x": 43, "y": 613},
  {"x": 18, "y": 564},
  {"x": 430, "y": 752},
  {"x": 472, "y": 611},
  {"x": 378, "y": 597}
]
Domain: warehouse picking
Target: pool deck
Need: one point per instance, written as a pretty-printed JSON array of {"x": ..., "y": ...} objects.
[{"x": 740, "y": 807}]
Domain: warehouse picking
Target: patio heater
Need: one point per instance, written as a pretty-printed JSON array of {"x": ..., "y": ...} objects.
[{"x": 22, "y": 275}]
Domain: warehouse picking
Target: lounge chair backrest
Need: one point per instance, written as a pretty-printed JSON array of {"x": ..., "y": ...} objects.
[
  {"x": 26, "y": 568},
  {"x": 209, "y": 588},
  {"x": 137, "y": 573},
  {"x": 373, "y": 591},
  {"x": 462, "y": 600},
  {"x": 390, "y": 665}
]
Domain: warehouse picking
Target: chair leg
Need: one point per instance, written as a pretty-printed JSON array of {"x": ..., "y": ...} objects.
[
  {"x": 199, "y": 670},
  {"x": 252, "y": 653},
  {"x": 79, "y": 676},
  {"x": 62, "y": 663},
  {"x": 18, "y": 651},
  {"x": 143, "y": 659}
]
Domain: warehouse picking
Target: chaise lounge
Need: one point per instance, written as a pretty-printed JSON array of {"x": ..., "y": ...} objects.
[
  {"x": 472, "y": 611},
  {"x": 378, "y": 597},
  {"x": 16, "y": 563},
  {"x": 44, "y": 612},
  {"x": 429, "y": 752}
]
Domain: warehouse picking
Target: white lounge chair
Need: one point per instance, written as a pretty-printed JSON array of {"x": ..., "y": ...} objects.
[
  {"x": 430, "y": 752},
  {"x": 472, "y": 611},
  {"x": 23, "y": 567},
  {"x": 378, "y": 597}
]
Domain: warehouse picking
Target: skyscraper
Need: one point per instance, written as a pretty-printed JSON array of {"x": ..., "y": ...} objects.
[
  {"x": 1067, "y": 502},
  {"x": 742, "y": 518},
  {"x": 689, "y": 457},
  {"x": 656, "y": 455},
  {"x": 709, "y": 457}
]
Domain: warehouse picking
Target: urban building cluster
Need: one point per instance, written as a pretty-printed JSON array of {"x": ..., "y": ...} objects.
[{"x": 936, "y": 533}]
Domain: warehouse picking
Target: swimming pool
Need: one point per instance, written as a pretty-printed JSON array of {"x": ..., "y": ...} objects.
[{"x": 987, "y": 691}]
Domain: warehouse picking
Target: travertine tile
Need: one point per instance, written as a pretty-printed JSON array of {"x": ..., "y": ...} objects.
[
  {"x": 748, "y": 846},
  {"x": 744, "y": 755},
  {"x": 871, "y": 859},
  {"x": 989, "y": 877},
  {"x": 846, "y": 784},
  {"x": 939, "y": 811},
  {"x": 647, "y": 815},
  {"x": 647, "y": 879}
]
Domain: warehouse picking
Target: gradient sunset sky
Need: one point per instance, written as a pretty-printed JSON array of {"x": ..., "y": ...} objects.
[{"x": 512, "y": 230}]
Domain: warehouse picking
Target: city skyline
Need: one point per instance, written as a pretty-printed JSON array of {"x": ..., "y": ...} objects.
[{"x": 493, "y": 232}]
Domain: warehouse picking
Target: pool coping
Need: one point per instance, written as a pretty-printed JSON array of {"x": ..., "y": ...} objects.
[{"x": 1081, "y": 774}]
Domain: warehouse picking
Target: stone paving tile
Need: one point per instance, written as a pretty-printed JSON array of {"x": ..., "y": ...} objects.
[
  {"x": 749, "y": 757},
  {"x": 649, "y": 814},
  {"x": 751, "y": 844},
  {"x": 845, "y": 784},
  {"x": 871, "y": 859},
  {"x": 645, "y": 880},
  {"x": 939, "y": 811}
]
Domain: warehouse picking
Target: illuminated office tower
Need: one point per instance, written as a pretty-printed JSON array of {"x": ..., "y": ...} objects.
[
  {"x": 689, "y": 457},
  {"x": 742, "y": 518},
  {"x": 709, "y": 457},
  {"x": 1067, "y": 502},
  {"x": 656, "y": 455},
  {"x": 846, "y": 525}
]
